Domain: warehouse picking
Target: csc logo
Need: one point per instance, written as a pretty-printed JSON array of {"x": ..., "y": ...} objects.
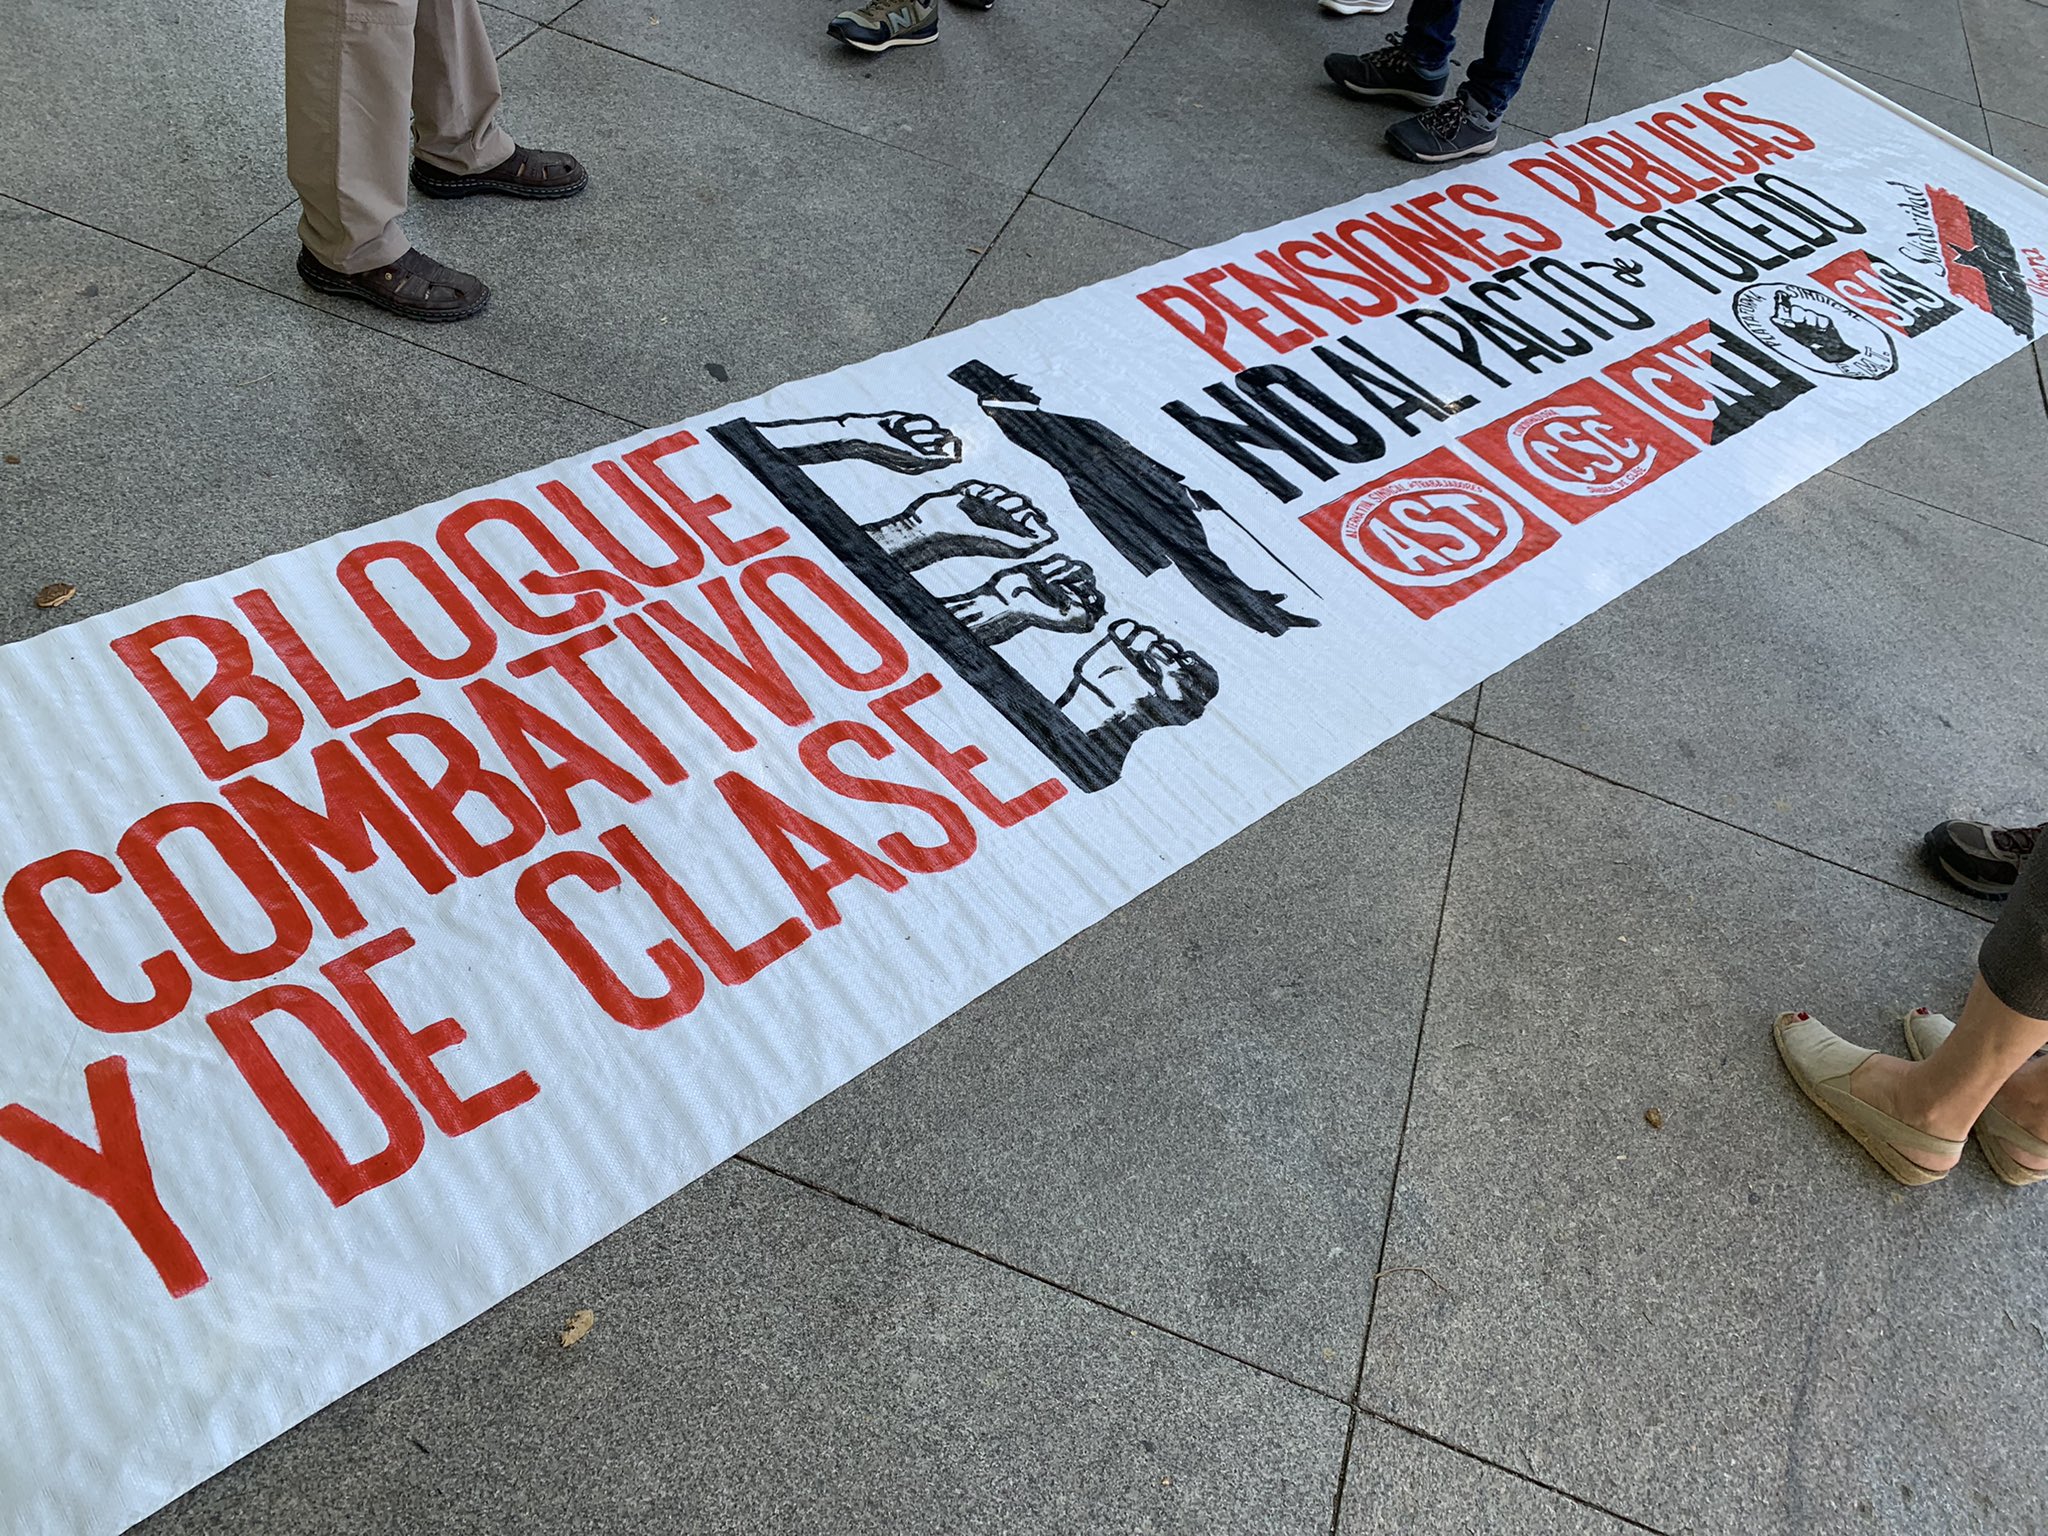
[
  {"x": 1432, "y": 534},
  {"x": 1575, "y": 449},
  {"x": 1580, "y": 449}
]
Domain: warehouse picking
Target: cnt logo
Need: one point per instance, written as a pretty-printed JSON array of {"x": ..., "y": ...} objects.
[
  {"x": 1431, "y": 534},
  {"x": 1580, "y": 449}
]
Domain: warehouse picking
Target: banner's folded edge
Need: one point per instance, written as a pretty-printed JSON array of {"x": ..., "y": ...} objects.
[{"x": 1948, "y": 136}]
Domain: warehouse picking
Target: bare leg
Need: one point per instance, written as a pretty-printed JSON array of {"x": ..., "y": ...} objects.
[{"x": 1987, "y": 1056}]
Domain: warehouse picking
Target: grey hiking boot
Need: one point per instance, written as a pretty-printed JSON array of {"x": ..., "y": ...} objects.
[
  {"x": 884, "y": 24},
  {"x": 1390, "y": 74},
  {"x": 1979, "y": 857},
  {"x": 1457, "y": 130}
]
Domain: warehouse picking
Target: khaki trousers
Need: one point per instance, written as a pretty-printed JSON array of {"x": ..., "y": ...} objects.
[{"x": 355, "y": 73}]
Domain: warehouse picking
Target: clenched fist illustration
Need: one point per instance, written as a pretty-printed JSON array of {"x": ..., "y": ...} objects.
[
  {"x": 903, "y": 442},
  {"x": 1054, "y": 592},
  {"x": 1133, "y": 679},
  {"x": 1814, "y": 329},
  {"x": 922, "y": 435},
  {"x": 974, "y": 517}
]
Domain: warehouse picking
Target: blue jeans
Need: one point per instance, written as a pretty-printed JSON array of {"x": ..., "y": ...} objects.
[{"x": 1495, "y": 76}]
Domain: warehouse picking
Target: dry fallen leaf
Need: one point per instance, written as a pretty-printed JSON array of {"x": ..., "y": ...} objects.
[
  {"x": 56, "y": 595},
  {"x": 1655, "y": 1117},
  {"x": 579, "y": 1325}
]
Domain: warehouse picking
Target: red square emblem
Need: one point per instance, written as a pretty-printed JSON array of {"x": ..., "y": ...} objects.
[
  {"x": 1580, "y": 449},
  {"x": 1432, "y": 533},
  {"x": 1708, "y": 380}
]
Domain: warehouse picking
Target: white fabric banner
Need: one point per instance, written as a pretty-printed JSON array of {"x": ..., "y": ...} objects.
[{"x": 388, "y": 921}]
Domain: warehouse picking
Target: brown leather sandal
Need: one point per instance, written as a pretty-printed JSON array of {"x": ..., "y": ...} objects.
[
  {"x": 415, "y": 286},
  {"x": 538, "y": 173}
]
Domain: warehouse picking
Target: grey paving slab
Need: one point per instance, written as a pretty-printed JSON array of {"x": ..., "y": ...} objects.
[
  {"x": 724, "y": 246},
  {"x": 1464, "y": 708},
  {"x": 1046, "y": 250},
  {"x": 1222, "y": 121},
  {"x": 1735, "y": 1325},
  {"x": 507, "y": 28},
  {"x": 1399, "y": 1484},
  {"x": 767, "y": 1360},
  {"x": 1981, "y": 450},
  {"x": 160, "y": 120},
  {"x": 539, "y": 10},
  {"x": 2009, "y": 46},
  {"x": 1191, "y": 1110},
  {"x": 223, "y": 424},
  {"x": 1920, "y": 41},
  {"x": 994, "y": 96},
  {"x": 1840, "y": 671},
  {"x": 2021, "y": 145},
  {"x": 1663, "y": 50},
  {"x": 62, "y": 286}
]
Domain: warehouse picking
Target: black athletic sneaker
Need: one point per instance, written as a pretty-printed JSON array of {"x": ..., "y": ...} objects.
[
  {"x": 1391, "y": 74},
  {"x": 1978, "y": 857},
  {"x": 1453, "y": 131},
  {"x": 883, "y": 24}
]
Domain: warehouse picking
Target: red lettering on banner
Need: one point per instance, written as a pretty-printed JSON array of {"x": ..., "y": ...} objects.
[
  {"x": 523, "y": 731},
  {"x": 353, "y": 806},
  {"x": 1289, "y": 291},
  {"x": 1532, "y": 237},
  {"x": 565, "y": 659},
  {"x": 91, "y": 1003},
  {"x": 291, "y": 929},
  {"x": 683, "y": 682},
  {"x": 412, "y": 1051},
  {"x": 919, "y": 858},
  {"x": 116, "y": 1172},
  {"x": 1195, "y": 317},
  {"x": 463, "y": 775},
  {"x": 688, "y": 563},
  {"x": 535, "y": 897},
  {"x": 1383, "y": 299},
  {"x": 748, "y": 662},
  {"x": 700, "y": 516},
  {"x": 1580, "y": 449},
  {"x": 1569, "y": 184},
  {"x": 891, "y": 662},
  {"x": 1432, "y": 533},
  {"x": 480, "y": 640},
  {"x": 340, "y": 1178},
  {"x": 957, "y": 764},
  {"x": 1674, "y": 129},
  {"x": 563, "y": 577},
  {"x": 732, "y": 964},
  {"x": 1349, "y": 239},
  {"x": 336, "y": 708},
  {"x": 781, "y": 831},
  {"x": 1787, "y": 137},
  {"x": 234, "y": 678},
  {"x": 1253, "y": 320}
]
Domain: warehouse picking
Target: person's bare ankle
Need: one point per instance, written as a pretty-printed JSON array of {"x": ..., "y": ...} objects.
[
  {"x": 2024, "y": 1100},
  {"x": 1887, "y": 1083}
]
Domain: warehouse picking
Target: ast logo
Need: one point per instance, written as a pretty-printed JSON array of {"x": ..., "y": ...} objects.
[
  {"x": 1884, "y": 293},
  {"x": 1708, "y": 380},
  {"x": 1580, "y": 449},
  {"x": 1433, "y": 533}
]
